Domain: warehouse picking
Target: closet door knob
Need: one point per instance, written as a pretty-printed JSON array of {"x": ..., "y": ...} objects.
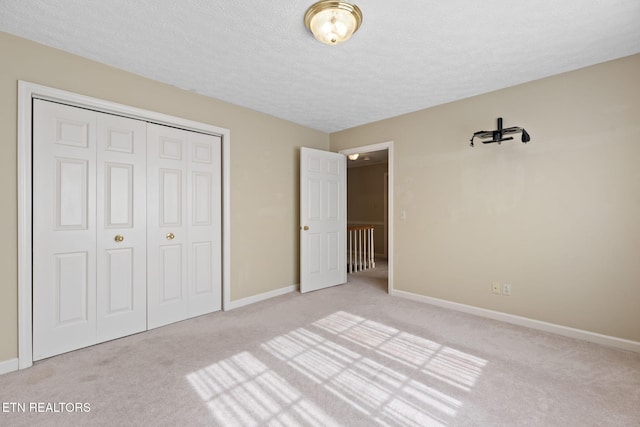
[
  {"x": 119, "y": 238},
  {"x": 170, "y": 236}
]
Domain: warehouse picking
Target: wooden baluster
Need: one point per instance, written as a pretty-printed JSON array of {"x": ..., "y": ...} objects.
[
  {"x": 368, "y": 248},
  {"x": 367, "y": 264},
  {"x": 360, "y": 249},
  {"x": 364, "y": 248},
  {"x": 351, "y": 256},
  {"x": 357, "y": 251},
  {"x": 373, "y": 252},
  {"x": 350, "y": 251},
  {"x": 364, "y": 241}
]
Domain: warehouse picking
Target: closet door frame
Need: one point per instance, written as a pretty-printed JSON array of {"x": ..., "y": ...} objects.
[{"x": 26, "y": 93}]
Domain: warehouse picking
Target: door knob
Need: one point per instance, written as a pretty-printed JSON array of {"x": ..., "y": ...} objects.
[
  {"x": 119, "y": 238},
  {"x": 170, "y": 236},
  {"x": 305, "y": 228}
]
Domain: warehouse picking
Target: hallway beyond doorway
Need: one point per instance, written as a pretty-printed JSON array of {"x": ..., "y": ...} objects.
[{"x": 377, "y": 277}]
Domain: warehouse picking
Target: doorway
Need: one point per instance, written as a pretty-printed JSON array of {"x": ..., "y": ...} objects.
[{"x": 370, "y": 204}]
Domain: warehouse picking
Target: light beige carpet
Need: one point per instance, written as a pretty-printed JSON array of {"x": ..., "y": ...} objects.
[{"x": 350, "y": 355}]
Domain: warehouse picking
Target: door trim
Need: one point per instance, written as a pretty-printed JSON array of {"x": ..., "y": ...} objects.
[
  {"x": 26, "y": 92},
  {"x": 379, "y": 147}
]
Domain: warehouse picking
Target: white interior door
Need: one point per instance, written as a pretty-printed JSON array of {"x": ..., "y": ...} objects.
[
  {"x": 166, "y": 226},
  {"x": 184, "y": 225},
  {"x": 204, "y": 213},
  {"x": 323, "y": 219},
  {"x": 89, "y": 186},
  {"x": 64, "y": 229},
  {"x": 121, "y": 218}
]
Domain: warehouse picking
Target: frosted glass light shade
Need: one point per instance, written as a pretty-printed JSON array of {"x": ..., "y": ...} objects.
[{"x": 333, "y": 22}]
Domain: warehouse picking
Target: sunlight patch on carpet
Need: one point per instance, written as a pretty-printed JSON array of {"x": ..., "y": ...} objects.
[
  {"x": 414, "y": 383},
  {"x": 382, "y": 393},
  {"x": 243, "y": 391},
  {"x": 449, "y": 365}
]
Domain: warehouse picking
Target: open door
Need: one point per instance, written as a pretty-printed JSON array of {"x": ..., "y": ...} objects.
[{"x": 323, "y": 219}]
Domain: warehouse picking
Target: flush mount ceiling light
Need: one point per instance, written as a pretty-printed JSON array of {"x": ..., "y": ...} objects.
[
  {"x": 353, "y": 156},
  {"x": 333, "y": 22}
]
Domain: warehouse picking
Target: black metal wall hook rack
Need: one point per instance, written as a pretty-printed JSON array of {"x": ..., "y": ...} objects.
[{"x": 499, "y": 134}]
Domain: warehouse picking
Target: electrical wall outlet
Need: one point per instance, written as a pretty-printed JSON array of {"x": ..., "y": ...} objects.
[
  {"x": 506, "y": 289},
  {"x": 495, "y": 288}
]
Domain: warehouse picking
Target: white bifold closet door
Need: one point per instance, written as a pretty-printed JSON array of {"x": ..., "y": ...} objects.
[
  {"x": 126, "y": 226},
  {"x": 183, "y": 228},
  {"x": 121, "y": 235},
  {"x": 89, "y": 187}
]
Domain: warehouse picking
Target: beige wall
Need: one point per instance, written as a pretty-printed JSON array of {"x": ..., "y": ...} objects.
[
  {"x": 558, "y": 218},
  {"x": 365, "y": 187},
  {"x": 264, "y": 171}
]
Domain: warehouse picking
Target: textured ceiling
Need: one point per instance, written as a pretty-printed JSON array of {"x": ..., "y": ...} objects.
[{"x": 407, "y": 56}]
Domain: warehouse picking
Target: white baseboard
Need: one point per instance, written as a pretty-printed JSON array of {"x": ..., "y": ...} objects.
[
  {"x": 260, "y": 297},
  {"x": 9, "y": 366},
  {"x": 526, "y": 322}
]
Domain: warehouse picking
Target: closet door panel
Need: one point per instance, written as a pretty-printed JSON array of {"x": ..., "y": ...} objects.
[
  {"x": 64, "y": 228},
  {"x": 204, "y": 213},
  {"x": 121, "y": 218},
  {"x": 166, "y": 229}
]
